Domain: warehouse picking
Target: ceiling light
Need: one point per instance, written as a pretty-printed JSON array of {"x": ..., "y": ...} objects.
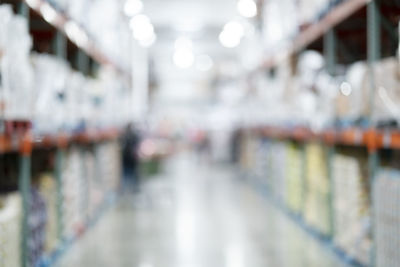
[
  {"x": 229, "y": 39},
  {"x": 74, "y": 32},
  {"x": 247, "y": 8},
  {"x": 234, "y": 27},
  {"x": 33, "y": 3},
  {"x": 148, "y": 42},
  {"x": 142, "y": 28},
  {"x": 183, "y": 58},
  {"x": 133, "y": 7},
  {"x": 48, "y": 12}
]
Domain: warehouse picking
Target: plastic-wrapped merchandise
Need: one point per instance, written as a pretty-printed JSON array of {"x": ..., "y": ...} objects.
[
  {"x": 48, "y": 190},
  {"x": 277, "y": 169},
  {"x": 6, "y": 15},
  {"x": 310, "y": 10},
  {"x": 15, "y": 69},
  {"x": 75, "y": 101},
  {"x": 36, "y": 227},
  {"x": 294, "y": 176},
  {"x": 77, "y": 10},
  {"x": 71, "y": 187},
  {"x": 10, "y": 230},
  {"x": 110, "y": 31},
  {"x": 109, "y": 161},
  {"x": 261, "y": 165},
  {"x": 387, "y": 93},
  {"x": 51, "y": 75},
  {"x": 95, "y": 194},
  {"x": 315, "y": 92},
  {"x": 350, "y": 101},
  {"x": 317, "y": 210},
  {"x": 351, "y": 204},
  {"x": 280, "y": 23},
  {"x": 386, "y": 209},
  {"x": 247, "y": 159}
]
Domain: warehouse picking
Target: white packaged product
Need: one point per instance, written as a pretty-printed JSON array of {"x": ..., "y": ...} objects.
[
  {"x": 351, "y": 205},
  {"x": 10, "y": 230},
  {"x": 387, "y": 218},
  {"x": 16, "y": 69},
  {"x": 51, "y": 76}
]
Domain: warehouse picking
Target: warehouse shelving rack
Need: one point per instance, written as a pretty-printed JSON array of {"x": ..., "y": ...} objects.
[
  {"x": 324, "y": 35},
  {"x": 84, "y": 56}
]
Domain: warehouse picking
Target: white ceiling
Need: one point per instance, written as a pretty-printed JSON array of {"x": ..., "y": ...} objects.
[
  {"x": 199, "y": 20},
  {"x": 182, "y": 14}
]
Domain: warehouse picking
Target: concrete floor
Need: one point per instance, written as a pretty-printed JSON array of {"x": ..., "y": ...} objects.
[{"x": 196, "y": 215}]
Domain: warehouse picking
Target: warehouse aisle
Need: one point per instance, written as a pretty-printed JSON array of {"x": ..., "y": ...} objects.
[{"x": 196, "y": 215}]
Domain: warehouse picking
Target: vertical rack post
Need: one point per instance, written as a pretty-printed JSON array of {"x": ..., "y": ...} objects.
[
  {"x": 374, "y": 47},
  {"x": 374, "y": 54},
  {"x": 23, "y": 9},
  {"x": 330, "y": 63},
  {"x": 60, "y": 154},
  {"x": 60, "y": 45},
  {"x": 83, "y": 62},
  {"x": 330, "y": 51},
  {"x": 60, "y": 49},
  {"x": 24, "y": 181}
]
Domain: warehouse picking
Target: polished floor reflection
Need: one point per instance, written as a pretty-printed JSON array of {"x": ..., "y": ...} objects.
[{"x": 196, "y": 215}]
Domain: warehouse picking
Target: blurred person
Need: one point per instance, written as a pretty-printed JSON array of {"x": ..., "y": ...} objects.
[{"x": 130, "y": 159}]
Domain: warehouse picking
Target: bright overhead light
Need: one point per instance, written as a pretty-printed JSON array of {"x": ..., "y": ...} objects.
[
  {"x": 142, "y": 28},
  {"x": 74, "y": 32},
  {"x": 229, "y": 40},
  {"x": 234, "y": 27},
  {"x": 247, "y": 8},
  {"x": 138, "y": 21},
  {"x": 48, "y": 12},
  {"x": 204, "y": 63},
  {"x": 133, "y": 7},
  {"x": 148, "y": 42},
  {"x": 183, "y": 58},
  {"x": 231, "y": 35},
  {"x": 33, "y": 3}
]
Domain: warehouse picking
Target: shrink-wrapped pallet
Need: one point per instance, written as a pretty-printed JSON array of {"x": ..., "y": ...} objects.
[
  {"x": 387, "y": 218},
  {"x": 71, "y": 189},
  {"x": 10, "y": 230},
  {"x": 317, "y": 211},
  {"x": 351, "y": 204},
  {"x": 48, "y": 191},
  {"x": 295, "y": 178}
]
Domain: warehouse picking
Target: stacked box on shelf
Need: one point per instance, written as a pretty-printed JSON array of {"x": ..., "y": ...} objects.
[
  {"x": 247, "y": 158},
  {"x": 95, "y": 194},
  {"x": 386, "y": 209},
  {"x": 276, "y": 169},
  {"x": 114, "y": 156},
  {"x": 84, "y": 190},
  {"x": 295, "y": 177},
  {"x": 10, "y": 230},
  {"x": 261, "y": 166},
  {"x": 71, "y": 187},
  {"x": 351, "y": 203},
  {"x": 108, "y": 159},
  {"x": 48, "y": 190},
  {"x": 36, "y": 226},
  {"x": 317, "y": 209}
]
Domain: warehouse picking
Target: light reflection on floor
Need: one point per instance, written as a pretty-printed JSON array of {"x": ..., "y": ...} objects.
[{"x": 196, "y": 215}]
